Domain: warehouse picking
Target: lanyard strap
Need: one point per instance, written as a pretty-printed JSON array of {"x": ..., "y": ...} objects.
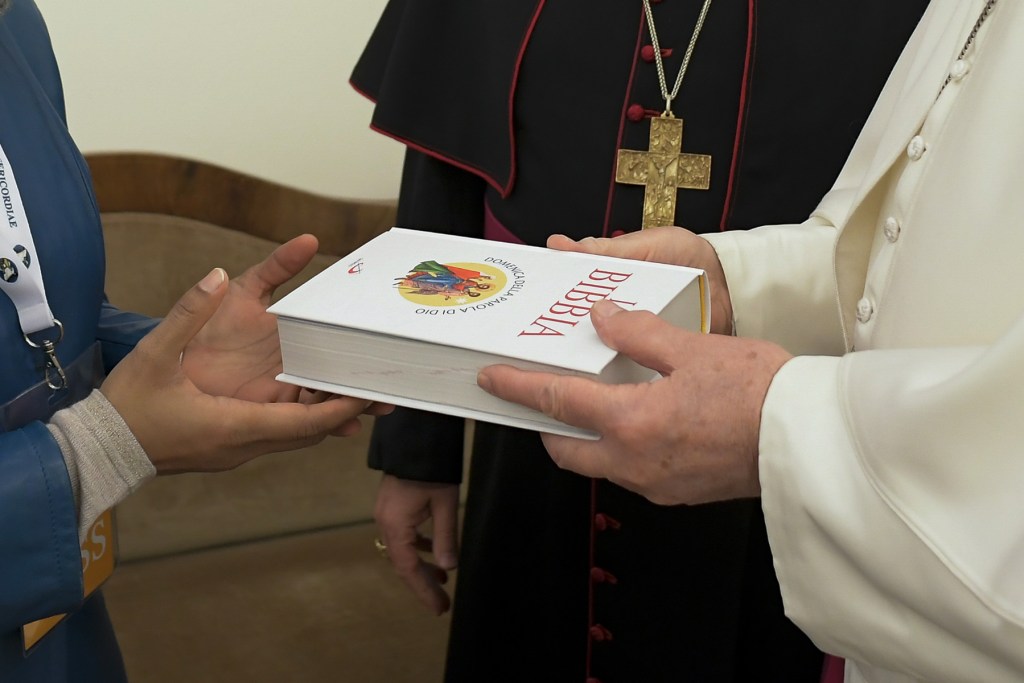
[{"x": 21, "y": 277}]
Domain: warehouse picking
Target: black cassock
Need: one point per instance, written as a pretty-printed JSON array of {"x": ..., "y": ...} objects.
[{"x": 517, "y": 108}]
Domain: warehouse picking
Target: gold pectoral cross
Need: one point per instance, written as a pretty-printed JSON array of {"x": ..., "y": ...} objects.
[{"x": 663, "y": 169}]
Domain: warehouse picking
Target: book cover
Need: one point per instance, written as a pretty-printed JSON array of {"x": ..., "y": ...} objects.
[{"x": 411, "y": 316}]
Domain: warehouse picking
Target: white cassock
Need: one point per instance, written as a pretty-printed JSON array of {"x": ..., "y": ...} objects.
[{"x": 892, "y": 450}]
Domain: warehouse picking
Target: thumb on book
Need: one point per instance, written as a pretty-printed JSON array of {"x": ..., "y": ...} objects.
[{"x": 641, "y": 335}]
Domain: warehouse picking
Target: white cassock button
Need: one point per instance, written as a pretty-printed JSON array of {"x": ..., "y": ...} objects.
[
  {"x": 959, "y": 69},
  {"x": 891, "y": 229},
  {"x": 915, "y": 150},
  {"x": 865, "y": 309}
]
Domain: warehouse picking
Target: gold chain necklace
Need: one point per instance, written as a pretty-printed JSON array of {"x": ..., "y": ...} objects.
[
  {"x": 659, "y": 63},
  {"x": 985, "y": 12},
  {"x": 663, "y": 169}
]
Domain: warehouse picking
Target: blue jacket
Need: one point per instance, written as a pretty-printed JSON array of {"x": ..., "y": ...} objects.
[{"x": 40, "y": 565}]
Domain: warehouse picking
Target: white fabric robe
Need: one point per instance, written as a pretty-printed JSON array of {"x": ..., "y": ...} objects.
[{"x": 892, "y": 448}]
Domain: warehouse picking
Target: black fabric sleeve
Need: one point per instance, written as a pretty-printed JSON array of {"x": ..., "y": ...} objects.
[
  {"x": 372, "y": 65},
  {"x": 413, "y": 444}
]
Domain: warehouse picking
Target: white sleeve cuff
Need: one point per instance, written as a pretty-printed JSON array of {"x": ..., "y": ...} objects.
[{"x": 105, "y": 461}]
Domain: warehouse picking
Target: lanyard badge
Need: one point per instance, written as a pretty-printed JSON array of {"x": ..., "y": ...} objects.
[{"x": 21, "y": 278}]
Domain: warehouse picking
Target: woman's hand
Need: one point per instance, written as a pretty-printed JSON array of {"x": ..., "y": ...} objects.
[{"x": 183, "y": 427}]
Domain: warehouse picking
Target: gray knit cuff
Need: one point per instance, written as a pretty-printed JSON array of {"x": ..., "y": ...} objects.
[{"x": 104, "y": 460}]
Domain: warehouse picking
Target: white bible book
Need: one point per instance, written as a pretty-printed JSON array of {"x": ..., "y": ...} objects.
[{"x": 410, "y": 317}]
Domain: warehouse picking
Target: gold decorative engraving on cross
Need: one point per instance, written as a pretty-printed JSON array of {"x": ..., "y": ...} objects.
[{"x": 663, "y": 169}]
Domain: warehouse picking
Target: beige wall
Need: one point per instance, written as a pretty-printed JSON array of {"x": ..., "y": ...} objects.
[{"x": 260, "y": 86}]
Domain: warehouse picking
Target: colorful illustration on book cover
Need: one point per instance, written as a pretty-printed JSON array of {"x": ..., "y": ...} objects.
[{"x": 431, "y": 283}]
